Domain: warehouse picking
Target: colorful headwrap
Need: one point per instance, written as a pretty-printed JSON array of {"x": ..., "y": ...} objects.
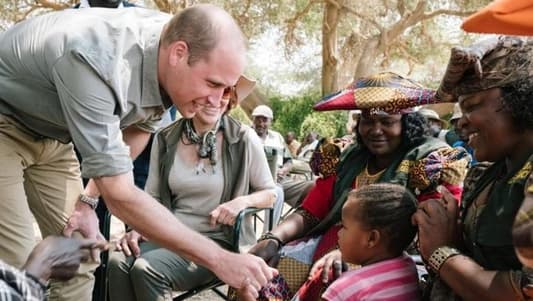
[
  {"x": 325, "y": 158},
  {"x": 386, "y": 91},
  {"x": 491, "y": 63},
  {"x": 512, "y": 17}
]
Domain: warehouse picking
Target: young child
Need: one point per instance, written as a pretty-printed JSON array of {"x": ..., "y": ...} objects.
[{"x": 376, "y": 229}]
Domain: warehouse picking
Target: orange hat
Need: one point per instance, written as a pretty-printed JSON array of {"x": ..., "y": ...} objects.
[{"x": 512, "y": 17}]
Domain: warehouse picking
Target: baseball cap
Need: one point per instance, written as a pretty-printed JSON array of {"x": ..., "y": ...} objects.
[{"x": 263, "y": 110}]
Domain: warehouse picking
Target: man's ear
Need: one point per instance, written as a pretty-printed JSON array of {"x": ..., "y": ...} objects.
[
  {"x": 373, "y": 238},
  {"x": 178, "y": 51}
]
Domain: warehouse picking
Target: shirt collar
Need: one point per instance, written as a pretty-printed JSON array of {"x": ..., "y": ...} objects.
[{"x": 151, "y": 93}]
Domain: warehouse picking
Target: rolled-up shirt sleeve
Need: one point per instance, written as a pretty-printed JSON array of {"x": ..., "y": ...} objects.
[{"x": 89, "y": 106}]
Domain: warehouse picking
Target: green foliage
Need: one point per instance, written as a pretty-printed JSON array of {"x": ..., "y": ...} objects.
[
  {"x": 326, "y": 124},
  {"x": 296, "y": 114},
  {"x": 290, "y": 113}
]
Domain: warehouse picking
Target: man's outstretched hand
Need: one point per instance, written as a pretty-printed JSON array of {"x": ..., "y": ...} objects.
[{"x": 245, "y": 272}]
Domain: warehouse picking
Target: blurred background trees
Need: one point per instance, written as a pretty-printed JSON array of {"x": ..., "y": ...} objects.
[{"x": 303, "y": 49}]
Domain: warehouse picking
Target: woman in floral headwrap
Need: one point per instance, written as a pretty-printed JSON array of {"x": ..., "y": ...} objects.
[
  {"x": 392, "y": 148},
  {"x": 475, "y": 259}
]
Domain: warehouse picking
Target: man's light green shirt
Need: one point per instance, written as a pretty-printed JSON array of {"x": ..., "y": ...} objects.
[{"x": 82, "y": 76}]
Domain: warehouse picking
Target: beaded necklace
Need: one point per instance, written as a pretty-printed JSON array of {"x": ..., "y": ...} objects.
[{"x": 207, "y": 144}]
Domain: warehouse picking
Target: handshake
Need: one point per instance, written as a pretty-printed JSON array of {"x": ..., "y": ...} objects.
[{"x": 60, "y": 257}]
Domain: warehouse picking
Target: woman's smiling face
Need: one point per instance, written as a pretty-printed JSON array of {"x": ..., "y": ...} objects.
[
  {"x": 381, "y": 133},
  {"x": 489, "y": 128}
]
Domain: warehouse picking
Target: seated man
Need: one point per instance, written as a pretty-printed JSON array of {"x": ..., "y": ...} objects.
[{"x": 276, "y": 149}]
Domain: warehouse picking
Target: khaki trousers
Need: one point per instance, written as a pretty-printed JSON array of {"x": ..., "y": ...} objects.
[{"x": 39, "y": 176}]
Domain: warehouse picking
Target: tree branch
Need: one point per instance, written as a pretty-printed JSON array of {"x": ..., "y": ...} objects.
[
  {"x": 357, "y": 14},
  {"x": 400, "y": 5},
  {"x": 449, "y": 12},
  {"x": 292, "y": 22}
]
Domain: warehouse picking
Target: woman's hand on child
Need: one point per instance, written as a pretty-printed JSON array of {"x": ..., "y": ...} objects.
[{"x": 329, "y": 264}]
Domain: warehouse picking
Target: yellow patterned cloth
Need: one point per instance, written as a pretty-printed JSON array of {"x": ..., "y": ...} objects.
[
  {"x": 325, "y": 158},
  {"x": 294, "y": 272},
  {"x": 444, "y": 165}
]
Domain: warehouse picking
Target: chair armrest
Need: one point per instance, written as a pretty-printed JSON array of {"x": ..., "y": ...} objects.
[{"x": 239, "y": 220}]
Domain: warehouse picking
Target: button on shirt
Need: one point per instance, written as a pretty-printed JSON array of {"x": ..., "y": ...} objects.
[{"x": 83, "y": 76}]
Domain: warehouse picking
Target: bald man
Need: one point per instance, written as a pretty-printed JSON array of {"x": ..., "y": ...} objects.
[{"x": 101, "y": 79}]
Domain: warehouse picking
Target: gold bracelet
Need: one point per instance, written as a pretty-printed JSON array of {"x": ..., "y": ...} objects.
[{"x": 439, "y": 257}]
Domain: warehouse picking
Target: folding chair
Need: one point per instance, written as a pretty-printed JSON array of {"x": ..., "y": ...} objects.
[
  {"x": 216, "y": 284},
  {"x": 100, "y": 286},
  {"x": 100, "y": 275}
]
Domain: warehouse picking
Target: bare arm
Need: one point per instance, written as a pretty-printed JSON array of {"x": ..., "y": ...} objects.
[
  {"x": 291, "y": 228},
  {"x": 470, "y": 281},
  {"x": 156, "y": 222},
  {"x": 226, "y": 213},
  {"x": 84, "y": 219},
  {"x": 151, "y": 219},
  {"x": 137, "y": 140}
]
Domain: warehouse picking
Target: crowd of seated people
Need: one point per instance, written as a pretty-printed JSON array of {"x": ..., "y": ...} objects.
[{"x": 410, "y": 207}]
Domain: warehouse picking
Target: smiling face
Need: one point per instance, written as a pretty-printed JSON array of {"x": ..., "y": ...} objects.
[
  {"x": 208, "y": 115},
  {"x": 380, "y": 133},
  {"x": 489, "y": 129},
  {"x": 192, "y": 86},
  {"x": 261, "y": 125}
]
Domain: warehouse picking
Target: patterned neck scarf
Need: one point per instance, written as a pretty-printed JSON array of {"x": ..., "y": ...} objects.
[{"x": 207, "y": 142}]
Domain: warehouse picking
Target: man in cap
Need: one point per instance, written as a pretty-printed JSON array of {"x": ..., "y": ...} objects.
[
  {"x": 437, "y": 126},
  {"x": 459, "y": 134},
  {"x": 62, "y": 80},
  {"x": 277, "y": 152}
]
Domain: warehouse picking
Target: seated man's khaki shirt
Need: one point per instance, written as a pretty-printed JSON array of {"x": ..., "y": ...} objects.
[{"x": 83, "y": 76}]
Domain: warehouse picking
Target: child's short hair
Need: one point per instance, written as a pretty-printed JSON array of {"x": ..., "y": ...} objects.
[{"x": 387, "y": 207}]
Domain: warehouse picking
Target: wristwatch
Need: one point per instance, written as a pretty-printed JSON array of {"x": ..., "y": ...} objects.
[
  {"x": 439, "y": 257},
  {"x": 91, "y": 201}
]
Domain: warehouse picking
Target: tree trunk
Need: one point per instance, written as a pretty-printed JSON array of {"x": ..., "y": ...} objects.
[
  {"x": 329, "y": 48},
  {"x": 365, "y": 65}
]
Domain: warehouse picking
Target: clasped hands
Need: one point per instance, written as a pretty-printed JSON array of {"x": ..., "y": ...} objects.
[{"x": 438, "y": 223}]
